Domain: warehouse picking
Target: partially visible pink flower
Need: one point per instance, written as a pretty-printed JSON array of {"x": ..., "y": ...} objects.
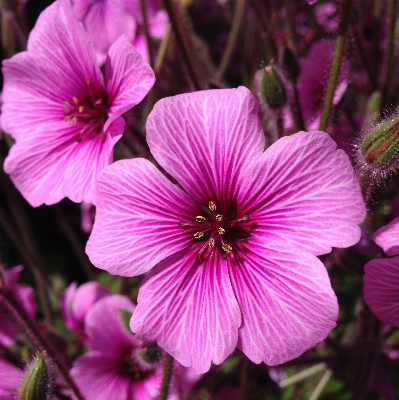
[
  {"x": 11, "y": 377},
  {"x": 64, "y": 115},
  {"x": 312, "y": 82},
  {"x": 76, "y": 302},
  {"x": 106, "y": 20},
  {"x": 311, "y": 1},
  {"x": 381, "y": 276},
  {"x": 115, "y": 367},
  {"x": 24, "y": 295},
  {"x": 235, "y": 250}
]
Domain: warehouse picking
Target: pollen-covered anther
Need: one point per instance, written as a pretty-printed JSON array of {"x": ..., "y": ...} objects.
[
  {"x": 218, "y": 217},
  {"x": 227, "y": 248},
  {"x": 212, "y": 206},
  {"x": 221, "y": 231},
  {"x": 211, "y": 242},
  {"x": 200, "y": 218},
  {"x": 198, "y": 235}
]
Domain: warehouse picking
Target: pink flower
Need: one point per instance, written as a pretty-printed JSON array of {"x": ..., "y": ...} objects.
[
  {"x": 11, "y": 377},
  {"x": 117, "y": 365},
  {"x": 24, "y": 295},
  {"x": 106, "y": 20},
  {"x": 63, "y": 113},
  {"x": 235, "y": 249},
  {"x": 381, "y": 276},
  {"x": 76, "y": 302}
]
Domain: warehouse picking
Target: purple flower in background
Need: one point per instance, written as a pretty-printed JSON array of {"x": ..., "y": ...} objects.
[
  {"x": 381, "y": 276},
  {"x": 106, "y": 20},
  {"x": 235, "y": 250},
  {"x": 76, "y": 302},
  {"x": 117, "y": 365},
  {"x": 24, "y": 295},
  {"x": 64, "y": 115},
  {"x": 11, "y": 377}
]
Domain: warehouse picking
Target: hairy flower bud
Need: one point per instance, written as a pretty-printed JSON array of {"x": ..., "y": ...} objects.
[
  {"x": 273, "y": 89},
  {"x": 379, "y": 147},
  {"x": 36, "y": 382}
]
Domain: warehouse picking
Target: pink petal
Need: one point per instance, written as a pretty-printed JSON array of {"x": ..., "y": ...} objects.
[
  {"x": 97, "y": 378},
  {"x": 214, "y": 134},
  {"x": 46, "y": 168},
  {"x": 104, "y": 326},
  {"x": 387, "y": 237},
  {"x": 303, "y": 192},
  {"x": 381, "y": 282},
  {"x": 286, "y": 300},
  {"x": 190, "y": 310},
  {"x": 105, "y": 21},
  {"x": 128, "y": 78},
  {"x": 11, "y": 377},
  {"x": 72, "y": 51},
  {"x": 137, "y": 220}
]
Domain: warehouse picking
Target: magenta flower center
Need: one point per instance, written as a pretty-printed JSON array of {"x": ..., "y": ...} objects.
[
  {"x": 91, "y": 111},
  {"x": 224, "y": 232}
]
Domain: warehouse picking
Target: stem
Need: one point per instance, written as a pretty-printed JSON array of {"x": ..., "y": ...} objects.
[
  {"x": 336, "y": 64},
  {"x": 280, "y": 124},
  {"x": 235, "y": 29},
  {"x": 73, "y": 241},
  {"x": 300, "y": 376},
  {"x": 296, "y": 109},
  {"x": 147, "y": 32},
  {"x": 385, "y": 88},
  {"x": 18, "y": 314},
  {"x": 321, "y": 385},
  {"x": 177, "y": 20},
  {"x": 167, "y": 376},
  {"x": 162, "y": 50}
]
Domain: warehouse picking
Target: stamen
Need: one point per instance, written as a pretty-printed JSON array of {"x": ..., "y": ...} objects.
[
  {"x": 212, "y": 206},
  {"x": 227, "y": 248},
  {"x": 198, "y": 235},
  {"x": 81, "y": 108},
  {"x": 73, "y": 121},
  {"x": 200, "y": 218},
  {"x": 221, "y": 231},
  {"x": 67, "y": 104},
  {"x": 75, "y": 100},
  {"x": 211, "y": 242},
  {"x": 218, "y": 217}
]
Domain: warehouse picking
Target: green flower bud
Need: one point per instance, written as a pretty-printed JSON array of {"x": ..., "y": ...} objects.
[
  {"x": 380, "y": 147},
  {"x": 36, "y": 382},
  {"x": 273, "y": 89}
]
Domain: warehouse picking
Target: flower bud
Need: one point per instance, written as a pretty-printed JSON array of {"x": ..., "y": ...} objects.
[
  {"x": 36, "y": 382},
  {"x": 273, "y": 89},
  {"x": 380, "y": 147}
]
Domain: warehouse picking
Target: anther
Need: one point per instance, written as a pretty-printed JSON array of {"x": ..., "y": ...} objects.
[
  {"x": 212, "y": 206},
  {"x": 198, "y": 235},
  {"x": 221, "y": 231},
  {"x": 211, "y": 242},
  {"x": 75, "y": 100},
  {"x": 218, "y": 217},
  {"x": 73, "y": 121},
  {"x": 67, "y": 104},
  {"x": 81, "y": 108},
  {"x": 227, "y": 248},
  {"x": 200, "y": 218}
]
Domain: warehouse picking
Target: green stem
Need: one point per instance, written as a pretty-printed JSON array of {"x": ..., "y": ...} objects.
[
  {"x": 147, "y": 32},
  {"x": 336, "y": 64},
  {"x": 167, "y": 376},
  {"x": 385, "y": 88},
  {"x": 235, "y": 29}
]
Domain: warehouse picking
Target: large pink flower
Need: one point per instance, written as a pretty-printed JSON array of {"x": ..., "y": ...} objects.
[
  {"x": 63, "y": 113},
  {"x": 235, "y": 242},
  {"x": 117, "y": 365},
  {"x": 381, "y": 276}
]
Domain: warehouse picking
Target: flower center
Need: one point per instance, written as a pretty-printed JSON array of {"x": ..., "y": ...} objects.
[
  {"x": 129, "y": 367},
  {"x": 91, "y": 111},
  {"x": 222, "y": 232}
]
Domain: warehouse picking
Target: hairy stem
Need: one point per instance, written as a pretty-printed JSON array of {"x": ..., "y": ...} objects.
[
  {"x": 336, "y": 64},
  {"x": 167, "y": 376}
]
